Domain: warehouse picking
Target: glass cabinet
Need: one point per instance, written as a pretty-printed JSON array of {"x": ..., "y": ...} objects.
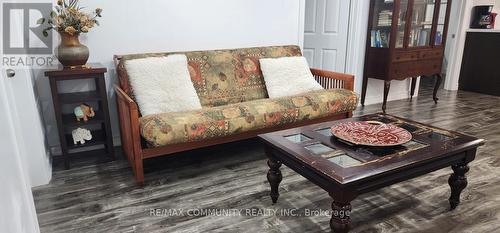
[
  {"x": 415, "y": 23},
  {"x": 405, "y": 39}
]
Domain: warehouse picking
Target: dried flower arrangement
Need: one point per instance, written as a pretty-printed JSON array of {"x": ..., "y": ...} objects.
[{"x": 68, "y": 17}]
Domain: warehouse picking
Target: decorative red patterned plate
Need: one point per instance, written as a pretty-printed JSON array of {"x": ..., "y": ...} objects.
[{"x": 371, "y": 133}]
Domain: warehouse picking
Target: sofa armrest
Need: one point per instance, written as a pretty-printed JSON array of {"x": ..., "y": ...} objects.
[
  {"x": 330, "y": 79},
  {"x": 128, "y": 114},
  {"x": 122, "y": 96}
]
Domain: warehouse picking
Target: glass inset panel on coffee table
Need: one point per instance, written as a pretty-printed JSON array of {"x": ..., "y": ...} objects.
[
  {"x": 344, "y": 160},
  {"x": 325, "y": 131},
  {"x": 319, "y": 148},
  {"x": 297, "y": 138}
]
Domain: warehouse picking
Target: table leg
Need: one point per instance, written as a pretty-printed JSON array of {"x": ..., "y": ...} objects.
[
  {"x": 457, "y": 182},
  {"x": 340, "y": 221},
  {"x": 274, "y": 177},
  {"x": 439, "y": 78},
  {"x": 387, "y": 86}
]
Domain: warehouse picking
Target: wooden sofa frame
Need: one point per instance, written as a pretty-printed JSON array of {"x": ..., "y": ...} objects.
[{"x": 135, "y": 147}]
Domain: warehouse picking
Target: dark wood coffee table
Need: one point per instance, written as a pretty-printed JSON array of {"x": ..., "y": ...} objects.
[{"x": 346, "y": 171}]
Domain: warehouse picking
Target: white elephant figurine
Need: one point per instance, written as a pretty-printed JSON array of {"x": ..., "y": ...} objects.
[{"x": 81, "y": 135}]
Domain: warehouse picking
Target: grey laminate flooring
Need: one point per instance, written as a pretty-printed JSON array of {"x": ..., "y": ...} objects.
[{"x": 104, "y": 197}]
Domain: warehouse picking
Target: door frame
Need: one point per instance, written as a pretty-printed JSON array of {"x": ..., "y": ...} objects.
[
  {"x": 456, "y": 54},
  {"x": 356, "y": 40},
  {"x": 302, "y": 19}
]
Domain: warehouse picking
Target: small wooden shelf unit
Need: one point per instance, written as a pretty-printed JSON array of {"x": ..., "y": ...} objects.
[{"x": 99, "y": 125}]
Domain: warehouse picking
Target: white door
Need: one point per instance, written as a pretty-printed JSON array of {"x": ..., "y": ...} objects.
[
  {"x": 325, "y": 33},
  {"x": 22, "y": 100},
  {"x": 20, "y": 92},
  {"x": 17, "y": 210}
]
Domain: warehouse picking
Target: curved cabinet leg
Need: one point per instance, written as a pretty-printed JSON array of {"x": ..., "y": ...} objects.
[
  {"x": 387, "y": 86},
  {"x": 340, "y": 221},
  {"x": 274, "y": 177},
  {"x": 439, "y": 79},
  {"x": 457, "y": 182}
]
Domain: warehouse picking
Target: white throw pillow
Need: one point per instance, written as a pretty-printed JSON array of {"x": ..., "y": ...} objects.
[
  {"x": 162, "y": 84},
  {"x": 287, "y": 76}
]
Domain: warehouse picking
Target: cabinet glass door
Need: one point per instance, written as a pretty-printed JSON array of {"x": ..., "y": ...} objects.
[
  {"x": 400, "y": 36},
  {"x": 381, "y": 23},
  {"x": 441, "y": 22},
  {"x": 421, "y": 23}
]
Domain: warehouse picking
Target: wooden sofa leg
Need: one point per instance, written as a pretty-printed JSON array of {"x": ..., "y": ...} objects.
[
  {"x": 349, "y": 115},
  {"x": 139, "y": 171}
]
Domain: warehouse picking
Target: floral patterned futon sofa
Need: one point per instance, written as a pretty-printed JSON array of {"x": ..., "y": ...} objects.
[{"x": 232, "y": 91}]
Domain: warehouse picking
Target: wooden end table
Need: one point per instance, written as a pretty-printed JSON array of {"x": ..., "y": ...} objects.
[{"x": 346, "y": 171}]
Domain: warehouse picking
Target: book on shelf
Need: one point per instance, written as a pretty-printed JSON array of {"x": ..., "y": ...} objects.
[
  {"x": 439, "y": 38},
  {"x": 384, "y": 18},
  {"x": 414, "y": 37},
  {"x": 420, "y": 37},
  {"x": 423, "y": 38},
  {"x": 379, "y": 39},
  {"x": 399, "y": 40},
  {"x": 372, "y": 40},
  {"x": 384, "y": 40}
]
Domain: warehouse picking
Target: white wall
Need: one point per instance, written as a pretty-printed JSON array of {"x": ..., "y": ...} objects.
[
  {"x": 17, "y": 210},
  {"x": 131, "y": 26}
]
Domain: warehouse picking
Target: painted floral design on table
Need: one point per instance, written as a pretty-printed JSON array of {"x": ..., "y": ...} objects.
[{"x": 370, "y": 133}]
